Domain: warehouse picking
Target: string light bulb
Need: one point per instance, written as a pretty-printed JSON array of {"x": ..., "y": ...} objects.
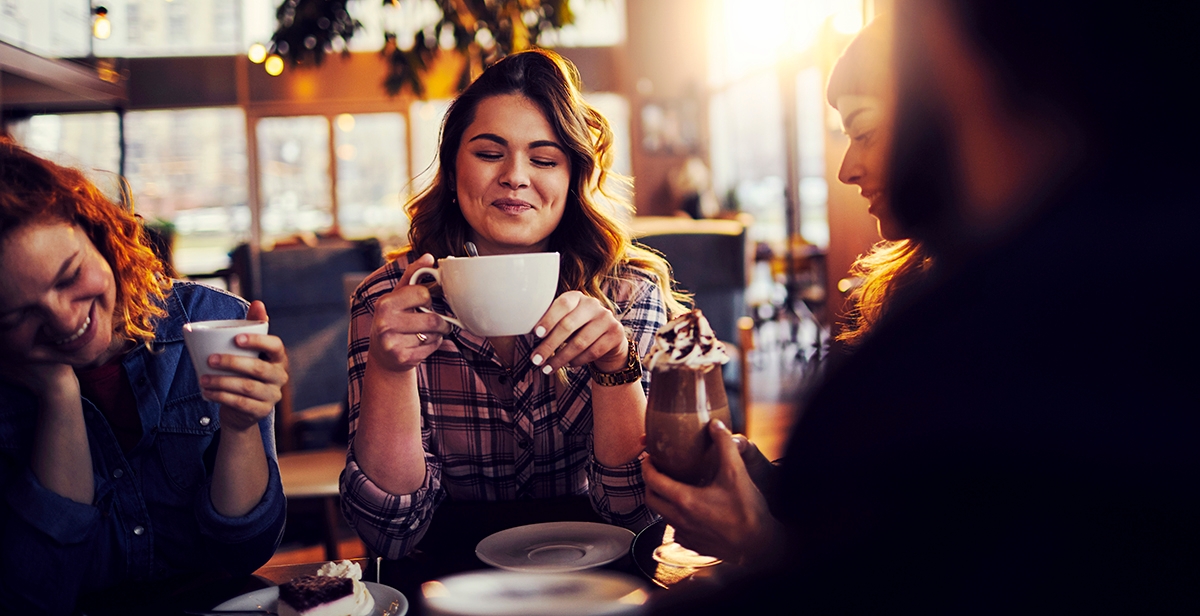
[
  {"x": 257, "y": 53},
  {"x": 273, "y": 65},
  {"x": 101, "y": 26}
]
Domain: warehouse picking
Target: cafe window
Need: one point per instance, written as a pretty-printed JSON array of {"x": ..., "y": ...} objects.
[
  {"x": 295, "y": 186},
  {"x": 187, "y": 171},
  {"x": 372, "y": 174},
  {"x": 51, "y": 28},
  {"x": 82, "y": 140},
  {"x": 426, "y": 118}
]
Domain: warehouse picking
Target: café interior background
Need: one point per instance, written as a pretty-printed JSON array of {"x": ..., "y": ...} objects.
[{"x": 222, "y": 153}]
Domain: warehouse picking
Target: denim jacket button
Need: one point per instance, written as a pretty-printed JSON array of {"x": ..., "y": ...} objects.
[
  {"x": 139, "y": 530},
  {"x": 204, "y": 421},
  {"x": 117, "y": 474}
]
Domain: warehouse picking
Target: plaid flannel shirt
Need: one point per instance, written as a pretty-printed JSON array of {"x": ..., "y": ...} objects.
[{"x": 495, "y": 433}]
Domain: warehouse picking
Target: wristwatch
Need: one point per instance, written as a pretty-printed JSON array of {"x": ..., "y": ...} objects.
[{"x": 630, "y": 373}]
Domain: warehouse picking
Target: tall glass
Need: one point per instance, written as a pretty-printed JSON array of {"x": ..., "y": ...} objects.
[{"x": 682, "y": 401}]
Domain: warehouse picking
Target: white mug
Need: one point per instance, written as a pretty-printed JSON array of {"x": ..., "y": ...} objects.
[
  {"x": 497, "y": 295},
  {"x": 204, "y": 338}
]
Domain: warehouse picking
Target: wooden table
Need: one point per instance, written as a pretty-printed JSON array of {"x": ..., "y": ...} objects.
[{"x": 405, "y": 575}]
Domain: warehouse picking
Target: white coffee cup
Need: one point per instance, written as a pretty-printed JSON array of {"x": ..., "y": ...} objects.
[
  {"x": 204, "y": 338},
  {"x": 497, "y": 295}
]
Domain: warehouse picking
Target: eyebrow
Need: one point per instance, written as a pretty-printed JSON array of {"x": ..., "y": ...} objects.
[{"x": 504, "y": 142}]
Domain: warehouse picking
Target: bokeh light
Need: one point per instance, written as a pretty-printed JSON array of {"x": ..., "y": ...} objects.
[{"x": 274, "y": 65}]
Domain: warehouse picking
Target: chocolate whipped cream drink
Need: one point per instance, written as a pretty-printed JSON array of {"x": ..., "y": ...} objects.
[{"x": 686, "y": 392}]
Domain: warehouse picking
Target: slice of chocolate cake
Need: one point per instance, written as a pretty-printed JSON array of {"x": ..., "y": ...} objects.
[{"x": 317, "y": 595}]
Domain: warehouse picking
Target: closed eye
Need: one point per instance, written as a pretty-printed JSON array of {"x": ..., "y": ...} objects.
[
  {"x": 545, "y": 163},
  {"x": 64, "y": 283},
  {"x": 864, "y": 136}
]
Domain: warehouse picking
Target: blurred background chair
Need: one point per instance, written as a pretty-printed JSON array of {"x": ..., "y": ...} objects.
[
  {"x": 304, "y": 286},
  {"x": 711, "y": 259}
]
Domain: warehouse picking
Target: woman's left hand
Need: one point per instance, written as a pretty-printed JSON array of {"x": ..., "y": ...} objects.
[
  {"x": 250, "y": 397},
  {"x": 578, "y": 330},
  {"x": 727, "y": 518}
]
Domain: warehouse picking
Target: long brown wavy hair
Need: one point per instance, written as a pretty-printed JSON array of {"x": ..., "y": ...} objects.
[
  {"x": 35, "y": 190},
  {"x": 890, "y": 267},
  {"x": 593, "y": 244}
]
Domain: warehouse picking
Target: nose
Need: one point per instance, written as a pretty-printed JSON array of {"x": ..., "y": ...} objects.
[
  {"x": 515, "y": 174},
  {"x": 64, "y": 315},
  {"x": 851, "y": 171}
]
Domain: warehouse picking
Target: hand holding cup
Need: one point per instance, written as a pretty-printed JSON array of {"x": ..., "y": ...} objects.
[{"x": 239, "y": 366}]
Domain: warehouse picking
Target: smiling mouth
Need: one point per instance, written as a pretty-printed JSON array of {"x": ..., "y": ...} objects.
[
  {"x": 79, "y": 332},
  {"x": 512, "y": 205}
]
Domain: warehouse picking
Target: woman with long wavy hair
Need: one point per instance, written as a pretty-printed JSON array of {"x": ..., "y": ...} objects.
[
  {"x": 118, "y": 466},
  {"x": 495, "y": 432}
]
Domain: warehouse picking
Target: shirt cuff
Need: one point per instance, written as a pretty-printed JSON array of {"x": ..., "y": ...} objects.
[{"x": 258, "y": 520}]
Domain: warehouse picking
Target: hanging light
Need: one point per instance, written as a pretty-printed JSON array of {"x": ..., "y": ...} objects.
[
  {"x": 101, "y": 26},
  {"x": 273, "y": 65},
  {"x": 257, "y": 53}
]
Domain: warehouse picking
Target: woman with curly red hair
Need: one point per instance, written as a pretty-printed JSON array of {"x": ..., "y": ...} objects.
[{"x": 117, "y": 464}]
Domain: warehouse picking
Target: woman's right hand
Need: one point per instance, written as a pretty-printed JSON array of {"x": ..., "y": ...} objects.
[{"x": 398, "y": 327}]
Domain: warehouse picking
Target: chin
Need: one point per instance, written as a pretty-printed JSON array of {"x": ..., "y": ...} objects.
[{"x": 890, "y": 231}]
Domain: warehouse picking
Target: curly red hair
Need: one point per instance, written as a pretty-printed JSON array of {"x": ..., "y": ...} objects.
[{"x": 35, "y": 190}]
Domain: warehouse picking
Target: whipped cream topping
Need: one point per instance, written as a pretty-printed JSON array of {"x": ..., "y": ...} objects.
[
  {"x": 687, "y": 341},
  {"x": 341, "y": 568},
  {"x": 364, "y": 603}
]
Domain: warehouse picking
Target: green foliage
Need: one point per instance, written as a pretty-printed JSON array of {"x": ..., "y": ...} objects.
[
  {"x": 482, "y": 30},
  {"x": 309, "y": 29}
]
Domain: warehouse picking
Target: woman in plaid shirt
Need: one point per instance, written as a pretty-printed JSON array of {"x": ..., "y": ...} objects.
[{"x": 515, "y": 429}]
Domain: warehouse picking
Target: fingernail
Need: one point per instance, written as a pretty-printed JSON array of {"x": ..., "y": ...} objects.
[
  {"x": 540, "y": 332},
  {"x": 537, "y": 359},
  {"x": 720, "y": 424},
  {"x": 547, "y": 369},
  {"x": 213, "y": 360}
]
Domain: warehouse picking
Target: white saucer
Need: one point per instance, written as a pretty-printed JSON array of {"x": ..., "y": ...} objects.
[
  {"x": 523, "y": 593},
  {"x": 268, "y": 599},
  {"x": 555, "y": 547}
]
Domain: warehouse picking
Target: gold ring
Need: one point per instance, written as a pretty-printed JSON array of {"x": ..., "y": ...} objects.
[{"x": 422, "y": 338}]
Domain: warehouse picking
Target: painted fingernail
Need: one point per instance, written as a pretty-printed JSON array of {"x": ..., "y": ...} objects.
[
  {"x": 548, "y": 369},
  {"x": 537, "y": 359},
  {"x": 540, "y": 332}
]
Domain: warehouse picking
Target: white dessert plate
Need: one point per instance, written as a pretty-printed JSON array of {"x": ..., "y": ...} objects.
[
  {"x": 555, "y": 547},
  {"x": 524, "y": 593},
  {"x": 268, "y": 599}
]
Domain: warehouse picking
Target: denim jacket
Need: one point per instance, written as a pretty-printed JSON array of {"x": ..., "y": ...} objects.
[{"x": 152, "y": 516}]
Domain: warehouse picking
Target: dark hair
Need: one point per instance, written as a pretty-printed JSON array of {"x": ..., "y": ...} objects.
[
  {"x": 35, "y": 190},
  {"x": 865, "y": 66},
  {"x": 594, "y": 245}
]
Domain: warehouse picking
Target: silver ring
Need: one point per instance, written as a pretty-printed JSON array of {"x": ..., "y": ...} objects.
[{"x": 422, "y": 338}]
